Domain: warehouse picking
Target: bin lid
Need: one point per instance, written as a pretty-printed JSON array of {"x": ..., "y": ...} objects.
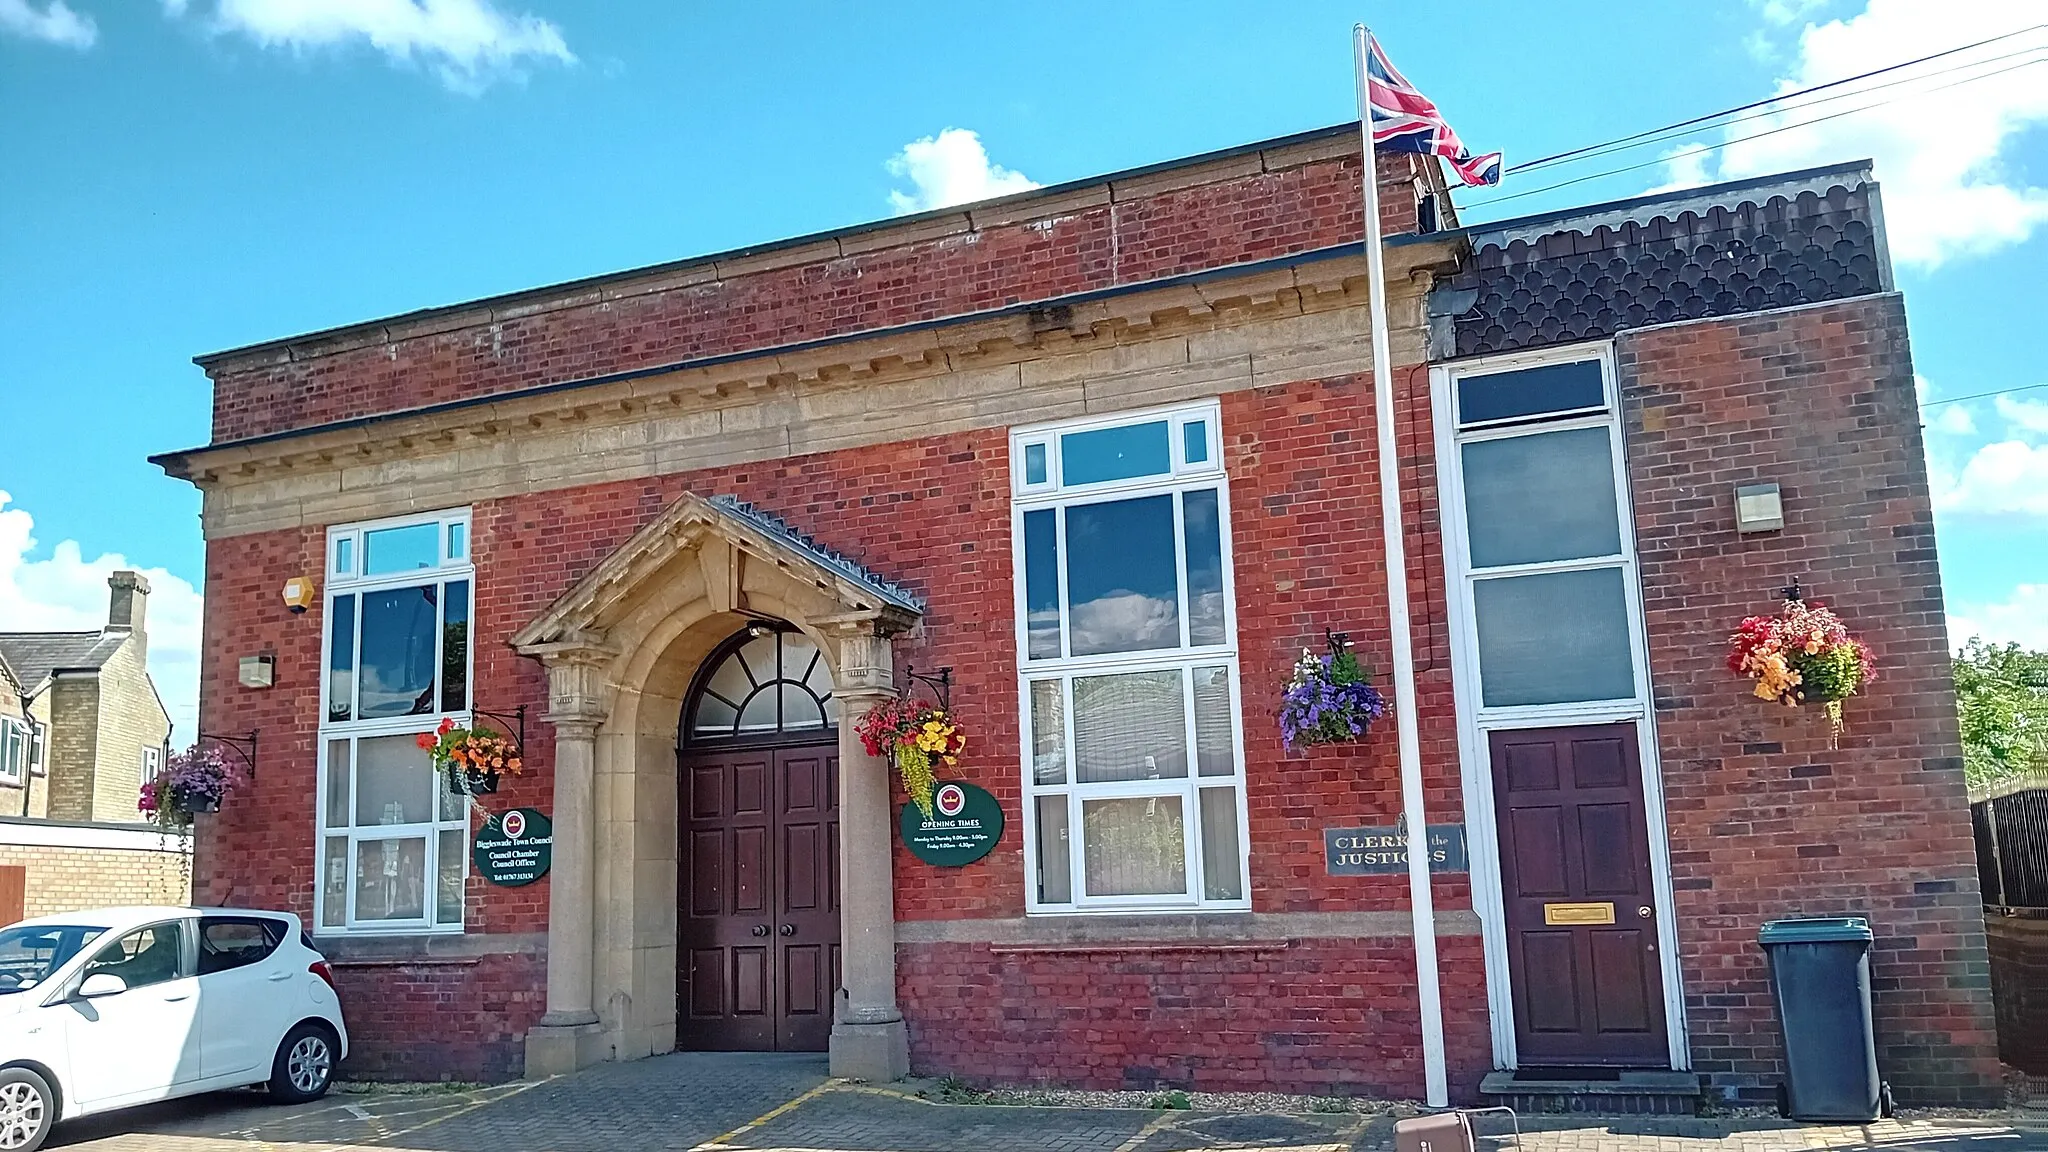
[{"x": 1815, "y": 930}]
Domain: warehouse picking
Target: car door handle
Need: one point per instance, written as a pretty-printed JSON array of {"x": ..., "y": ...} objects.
[
  {"x": 274, "y": 977},
  {"x": 170, "y": 999}
]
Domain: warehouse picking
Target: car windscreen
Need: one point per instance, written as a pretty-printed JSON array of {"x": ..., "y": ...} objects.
[{"x": 29, "y": 953}]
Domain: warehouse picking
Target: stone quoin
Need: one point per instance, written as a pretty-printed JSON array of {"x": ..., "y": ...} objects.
[{"x": 1106, "y": 451}]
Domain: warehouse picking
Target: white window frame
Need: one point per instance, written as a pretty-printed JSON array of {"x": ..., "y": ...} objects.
[
  {"x": 16, "y": 746},
  {"x": 1476, "y": 721},
  {"x": 1183, "y": 476},
  {"x": 152, "y": 763},
  {"x": 344, "y": 579}
]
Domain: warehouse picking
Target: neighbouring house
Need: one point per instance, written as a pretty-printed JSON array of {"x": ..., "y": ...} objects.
[
  {"x": 81, "y": 727},
  {"x": 1105, "y": 450}
]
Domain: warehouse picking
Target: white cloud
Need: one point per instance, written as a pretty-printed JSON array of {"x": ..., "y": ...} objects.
[
  {"x": 1954, "y": 420},
  {"x": 2024, "y": 416},
  {"x": 2006, "y": 478},
  {"x": 1685, "y": 166},
  {"x": 1940, "y": 152},
  {"x": 950, "y": 168},
  {"x": 67, "y": 593},
  {"x": 54, "y": 23},
  {"x": 2021, "y": 619},
  {"x": 1786, "y": 11},
  {"x": 467, "y": 43}
]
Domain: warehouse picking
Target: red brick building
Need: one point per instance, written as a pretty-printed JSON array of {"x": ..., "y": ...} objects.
[{"x": 1106, "y": 452}]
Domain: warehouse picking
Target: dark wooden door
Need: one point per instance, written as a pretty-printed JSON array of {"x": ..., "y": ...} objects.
[
  {"x": 758, "y": 895},
  {"x": 1581, "y": 908}
]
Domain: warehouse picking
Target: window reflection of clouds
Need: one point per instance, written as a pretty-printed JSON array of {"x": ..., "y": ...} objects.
[
  {"x": 397, "y": 676},
  {"x": 1121, "y": 578}
]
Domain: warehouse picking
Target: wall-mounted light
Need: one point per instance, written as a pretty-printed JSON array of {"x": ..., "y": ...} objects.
[
  {"x": 298, "y": 594},
  {"x": 1758, "y": 508},
  {"x": 258, "y": 671}
]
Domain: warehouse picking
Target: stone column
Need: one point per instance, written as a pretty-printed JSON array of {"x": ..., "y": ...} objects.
[
  {"x": 568, "y": 1036},
  {"x": 869, "y": 1041}
]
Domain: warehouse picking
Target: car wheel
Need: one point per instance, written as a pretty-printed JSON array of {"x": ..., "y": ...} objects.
[
  {"x": 27, "y": 1109},
  {"x": 304, "y": 1066}
]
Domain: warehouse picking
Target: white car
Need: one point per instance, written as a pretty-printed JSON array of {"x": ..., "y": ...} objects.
[{"x": 118, "y": 1006}]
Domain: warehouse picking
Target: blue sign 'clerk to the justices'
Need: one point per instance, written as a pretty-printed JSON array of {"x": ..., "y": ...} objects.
[{"x": 1374, "y": 851}]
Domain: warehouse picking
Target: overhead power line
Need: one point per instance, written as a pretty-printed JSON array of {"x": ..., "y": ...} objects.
[
  {"x": 1983, "y": 395},
  {"x": 1544, "y": 161},
  {"x": 1706, "y": 148}
]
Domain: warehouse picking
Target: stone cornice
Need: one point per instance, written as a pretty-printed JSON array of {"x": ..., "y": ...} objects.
[{"x": 830, "y": 376}]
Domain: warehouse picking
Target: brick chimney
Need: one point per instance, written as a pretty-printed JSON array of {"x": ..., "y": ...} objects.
[{"x": 128, "y": 607}]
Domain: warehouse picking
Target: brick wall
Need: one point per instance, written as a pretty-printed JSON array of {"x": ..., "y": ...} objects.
[
  {"x": 130, "y": 719},
  {"x": 1767, "y": 820},
  {"x": 61, "y": 879},
  {"x": 460, "y": 1019},
  {"x": 1119, "y": 232},
  {"x": 73, "y": 746}
]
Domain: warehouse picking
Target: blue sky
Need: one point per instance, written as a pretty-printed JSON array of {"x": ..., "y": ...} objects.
[{"x": 181, "y": 176}]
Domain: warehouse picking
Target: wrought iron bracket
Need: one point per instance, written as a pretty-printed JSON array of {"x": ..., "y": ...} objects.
[
  {"x": 515, "y": 719},
  {"x": 940, "y": 682},
  {"x": 243, "y": 746},
  {"x": 1793, "y": 592},
  {"x": 1340, "y": 642}
]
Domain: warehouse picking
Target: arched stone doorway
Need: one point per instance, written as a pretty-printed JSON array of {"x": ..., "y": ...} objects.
[
  {"x": 622, "y": 648},
  {"x": 757, "y": 876}
]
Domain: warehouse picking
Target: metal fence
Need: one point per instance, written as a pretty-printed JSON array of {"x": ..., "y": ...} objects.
[
  {"x": 2010, "y": 820},
  {"x": 2011, "y": 823}
]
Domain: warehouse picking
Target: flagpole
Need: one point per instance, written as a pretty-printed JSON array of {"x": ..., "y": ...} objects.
[{"x": 1422, "y": 905}]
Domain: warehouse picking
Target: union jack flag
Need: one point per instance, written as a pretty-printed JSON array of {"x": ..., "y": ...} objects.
[{"x": 1403, "y": 120}]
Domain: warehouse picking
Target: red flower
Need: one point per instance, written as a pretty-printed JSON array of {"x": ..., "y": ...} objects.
[{"x": 426, "y": 741}]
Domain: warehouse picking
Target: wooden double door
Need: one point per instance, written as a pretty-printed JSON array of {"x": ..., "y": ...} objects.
[
  {"x": 1580, "y": 899},
  {"x": 758, "y": 898}
]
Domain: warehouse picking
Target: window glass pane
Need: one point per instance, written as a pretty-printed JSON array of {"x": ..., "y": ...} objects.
[
  {"x": 1121, "y": 580},
  {"x": 449, "y": 806},
  {"x": 334, "y": 883},
  {"x": 1134, "y": 847},
  {"x": 394, "y": 782},
  {"x": 1055, "y": 856},
  {"x": 401, "y": 549},
  {"x": 341, "y": 658},
  {"x": 1553, "y": 638},
  {"x": 1222, "y": 874},
  {"x": 1114, "y": 453},
  {"x": 1048, "y": 733},
  {"x": 1034, "y": 464},
  {"x": 458, "y": 540},
  {"x": 141, "y": 958},
  {"x": 799, "y": 708},
  {"x": 1042, "y": 585},
  {"x": 715, "y": 717},
  {"x": 758, "y": 713},
  {"x": 391, "y": 879},
  {"x": 1215, "y": 747},
  {"x": 1129, "y": 727},
  {"x": 448, "y": 887},
  {"x": 345, "y": 556},
  {"x": 397, "y": 653},
  {"x": 1195, "y": 441},
  {"x": 455, "y": 646},
  {"x": 1204, "y": 546},
  {"x": 1530, "y": 392},
  {"x": 1529, "y": 499},
  {"x": 226, "y": 944},
  {"x": 337, "y": 784}
]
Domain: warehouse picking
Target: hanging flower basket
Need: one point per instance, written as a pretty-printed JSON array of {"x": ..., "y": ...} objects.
[
  {"x": 471, "y": 759},
  {"x": 1329, "y": 699},
  {"x": 193, "y": 781},
  {"x": 1802, "y": 655},
  {"x": 917, "y": 737}
]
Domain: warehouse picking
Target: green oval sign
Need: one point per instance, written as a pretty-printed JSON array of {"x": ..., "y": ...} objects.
[
  {"x": 515, "y": 847},
  {"x": 965, "y": 824}
]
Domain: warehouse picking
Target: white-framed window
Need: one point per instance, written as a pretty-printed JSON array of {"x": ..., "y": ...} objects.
[
  {"x": 1133, "y": 758},
  {"x": 1543, "y": 536},
  {"x": 392, "y": 842},
  {"x": 17, "y": 743},
  {"x": 152, "y": 763}
]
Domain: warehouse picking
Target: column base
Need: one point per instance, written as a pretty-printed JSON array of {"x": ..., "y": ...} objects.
[
  {"x": 876, "y": 1053},
  {"x": 559, "y": 1049}
]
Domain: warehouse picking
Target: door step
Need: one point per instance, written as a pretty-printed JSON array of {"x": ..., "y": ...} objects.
[{"x": 1595, "y": 1091}]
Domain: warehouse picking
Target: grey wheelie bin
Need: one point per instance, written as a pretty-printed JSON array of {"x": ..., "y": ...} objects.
[{"x": 1820, "y": 980}]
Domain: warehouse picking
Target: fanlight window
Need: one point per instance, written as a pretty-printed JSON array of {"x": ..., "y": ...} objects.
[{"x": 763, "y": 685}]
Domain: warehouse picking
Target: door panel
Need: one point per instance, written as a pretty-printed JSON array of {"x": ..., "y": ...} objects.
[
  {"x": 144, "y": 1043},
  {"x": 1576, "y": 885},
  {"x": 759, "y": 926}
]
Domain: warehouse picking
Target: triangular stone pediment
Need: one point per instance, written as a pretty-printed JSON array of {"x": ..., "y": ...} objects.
[{"x": 744, "y": 536}]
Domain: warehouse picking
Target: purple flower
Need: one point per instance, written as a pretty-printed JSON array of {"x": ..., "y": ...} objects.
[{"x": 1327, "y": 700}]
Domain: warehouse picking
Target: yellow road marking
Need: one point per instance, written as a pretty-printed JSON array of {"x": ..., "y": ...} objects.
[
  {"x": 1143, "y": 1134},
  {"x": 783, "y": 1109}
]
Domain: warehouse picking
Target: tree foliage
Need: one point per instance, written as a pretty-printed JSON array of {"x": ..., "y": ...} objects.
[{"x": 2002, "y": 694}]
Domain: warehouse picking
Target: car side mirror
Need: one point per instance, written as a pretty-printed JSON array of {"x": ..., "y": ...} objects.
[{"x": 102, "y": 984}]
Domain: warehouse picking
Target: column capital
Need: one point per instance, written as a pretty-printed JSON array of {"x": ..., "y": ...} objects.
[
  {"x": 579, "y": 682},
  {"x": 867, "y": 670}
]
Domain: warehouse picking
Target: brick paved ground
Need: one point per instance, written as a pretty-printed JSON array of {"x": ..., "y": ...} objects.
[{"x": 765, "y": 1103}]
